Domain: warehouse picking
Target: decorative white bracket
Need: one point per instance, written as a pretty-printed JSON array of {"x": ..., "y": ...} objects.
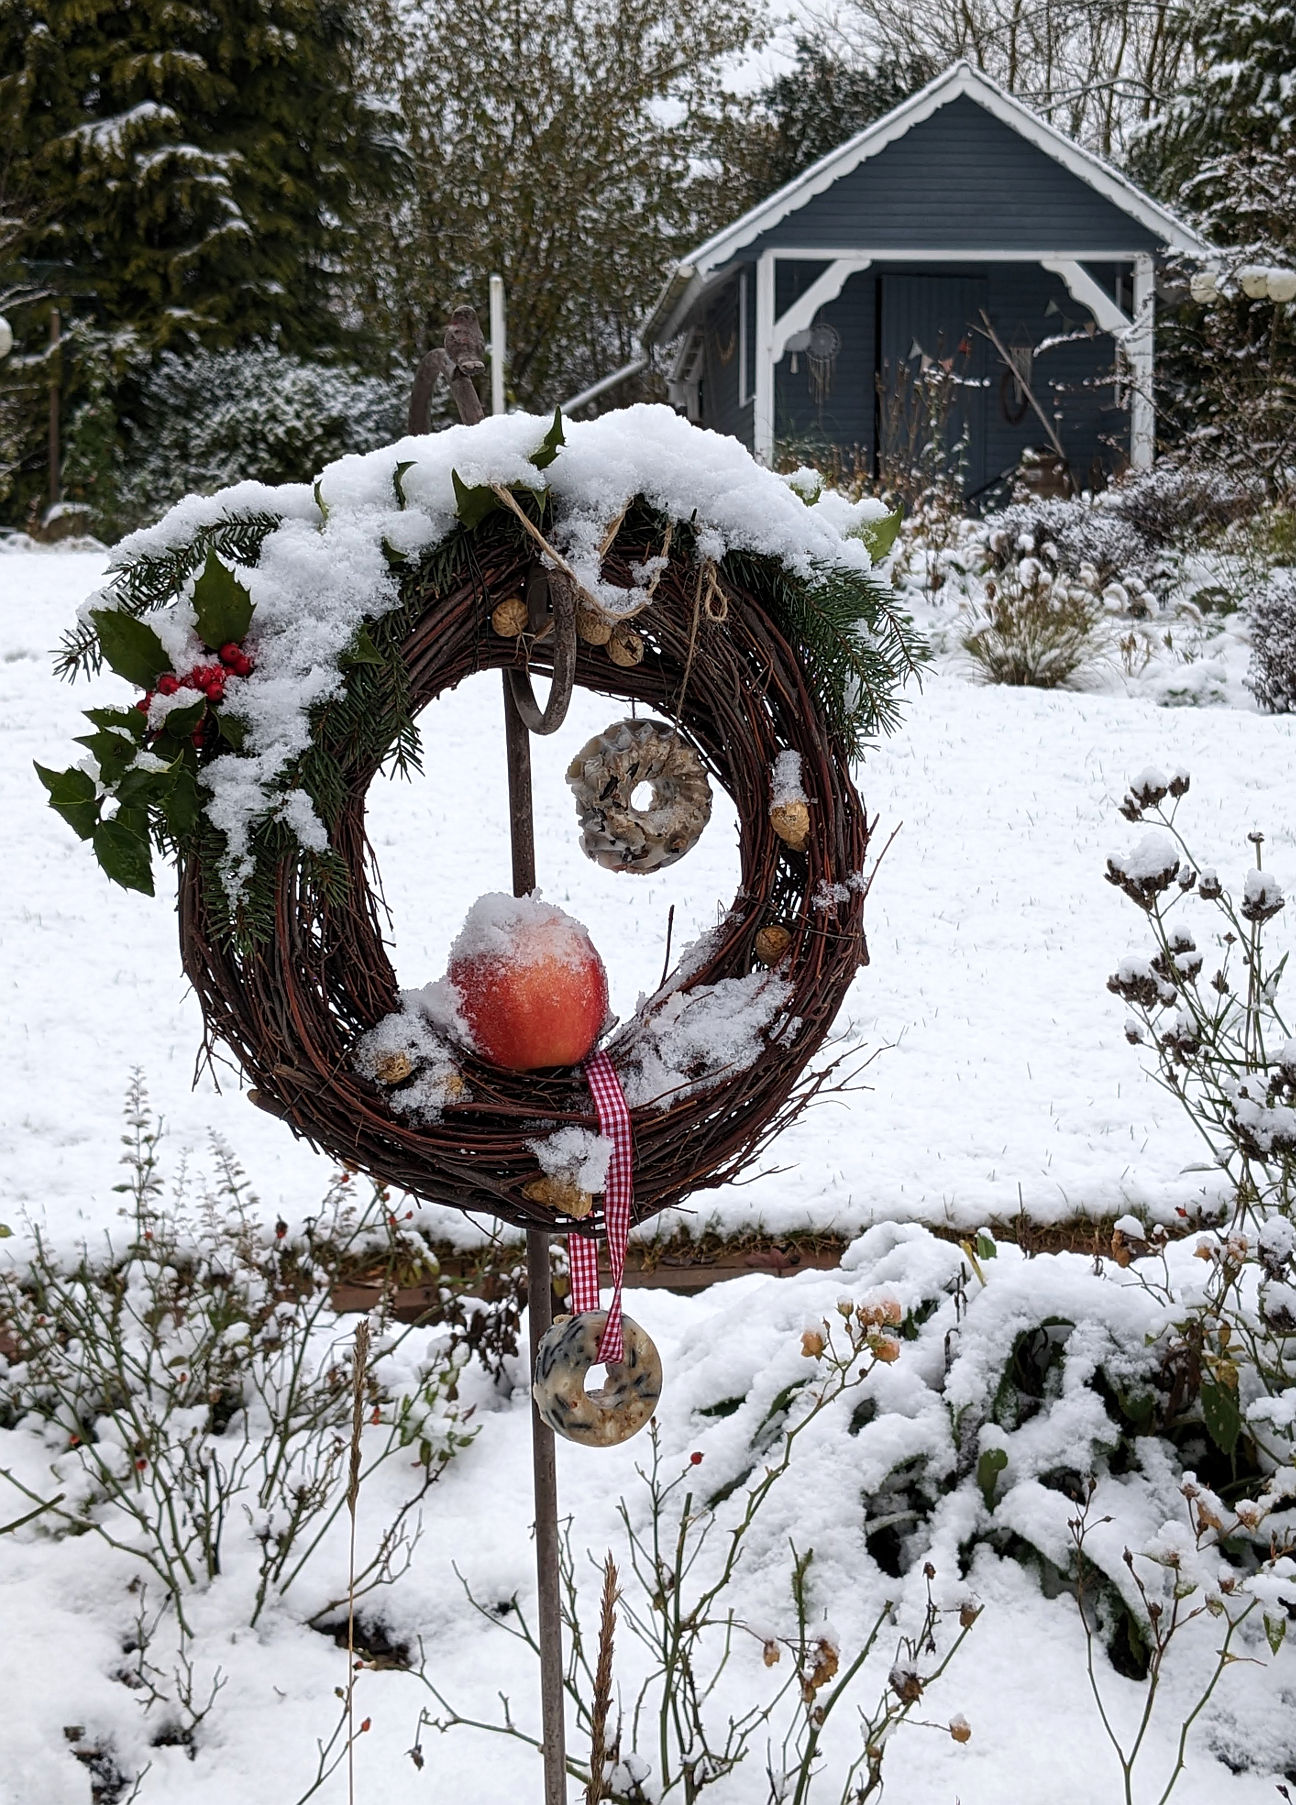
[
  {"x": 1135, "y": 338},
  {"x": 1081, "y": 286},
  {"x": 773, "y": 334}
]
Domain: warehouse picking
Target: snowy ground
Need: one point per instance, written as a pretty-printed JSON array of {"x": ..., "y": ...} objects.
[{"x": 1008, "y": 1084}]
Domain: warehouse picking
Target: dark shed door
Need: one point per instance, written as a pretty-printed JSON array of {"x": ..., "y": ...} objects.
[{"x": 934, "y": 317}]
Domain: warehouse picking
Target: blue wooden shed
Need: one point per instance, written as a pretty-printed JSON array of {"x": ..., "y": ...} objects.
[{"x": 960, "y": 218}]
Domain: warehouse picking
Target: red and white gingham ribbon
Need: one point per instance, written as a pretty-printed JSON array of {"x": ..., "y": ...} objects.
[{"x": 618, "y": 1195}]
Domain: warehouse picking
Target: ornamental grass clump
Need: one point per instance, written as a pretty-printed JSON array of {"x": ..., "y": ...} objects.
[{"x": 1033, "y": 627}]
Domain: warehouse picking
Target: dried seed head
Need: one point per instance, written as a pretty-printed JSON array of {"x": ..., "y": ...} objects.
[
  {"x": 960, "y": 1729},
  {"x": 559, "y": 1194},
  {"x": 812, "y": 1344},
  {"x": 510, "y": 618},
  {"x": 771, "y": 1654},
  {"x": 906, "y": 1684},
  {"x": 968, "y": 1614}
]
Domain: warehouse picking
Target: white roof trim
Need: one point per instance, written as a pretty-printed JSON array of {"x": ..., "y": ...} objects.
[{"x": 958, "y": 80}]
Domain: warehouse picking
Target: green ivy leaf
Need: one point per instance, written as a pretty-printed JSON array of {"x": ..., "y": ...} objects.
[
  {"x": 73, "y": 795},
  {"x": 550, "y": 445},
  {"x": 123, "y": 852},
  {"x": 222, "y": 606},
  {"x": 879, "y": 535},
  {"x": 472, "y": 505},
  {"x": 1222, "y": 1414},
  {"x": 991, "y": 1464},
  {"x": 361, "y": 650},
  {"x": 130, "y": 648},
  {"x": 398, "y": 480},
  {"x": 129, "y": 720}
]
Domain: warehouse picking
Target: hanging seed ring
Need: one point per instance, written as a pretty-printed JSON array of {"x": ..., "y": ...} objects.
[
  {"x": 599, "y": 1419},
  {"x": 293, "y": 1004},
  {"x": 604, "y": 776}
]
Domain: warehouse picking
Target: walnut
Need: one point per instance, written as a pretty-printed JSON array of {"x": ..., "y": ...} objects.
[{"x": 791, "y": 822}]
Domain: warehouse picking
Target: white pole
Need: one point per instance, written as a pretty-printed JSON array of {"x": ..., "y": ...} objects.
[
  {"x": 1140, "y": 342},
  {"x": 763, "y": 407},
  {"x": 497, "y": 343}
]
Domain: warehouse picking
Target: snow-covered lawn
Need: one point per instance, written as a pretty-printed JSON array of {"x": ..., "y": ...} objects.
[{"x": 1006, "y": 1084}]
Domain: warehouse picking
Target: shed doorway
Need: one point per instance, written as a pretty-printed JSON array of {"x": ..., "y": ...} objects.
[{"x": 931, "y": 375}]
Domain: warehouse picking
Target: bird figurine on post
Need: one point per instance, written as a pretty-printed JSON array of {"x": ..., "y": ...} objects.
[{"x": 461, "y": 360}]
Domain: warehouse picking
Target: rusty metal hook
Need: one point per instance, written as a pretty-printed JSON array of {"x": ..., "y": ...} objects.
[{"x": 549, "y": 586}]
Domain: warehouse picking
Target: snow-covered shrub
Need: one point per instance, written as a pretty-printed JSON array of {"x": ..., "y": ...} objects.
[
  {"x": 1272, "y": 676},
  {"x": 220, "y": 417},
  {"x": 1033, "y": 626},
  {"x": 188, "y": 1393}
]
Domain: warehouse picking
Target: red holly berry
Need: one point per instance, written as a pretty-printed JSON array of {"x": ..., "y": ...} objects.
[
  {"x": 145, "y": 702},
  {"x": 168, "y": 683},
  {"x": 231, "y": 653}
]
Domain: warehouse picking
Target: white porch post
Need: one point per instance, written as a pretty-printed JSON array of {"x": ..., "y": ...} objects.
[
  {"x": 1140, "y": 344},
  {"x": 763, "y": 400}
]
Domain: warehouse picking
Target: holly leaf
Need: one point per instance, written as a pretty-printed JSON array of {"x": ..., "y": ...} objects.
[
  {"x": 398, "y": 480},
  {"x": 361, "y": 650},
  {"x": 73, "y": 795},
  {"x": 232, "y": 731},
  {"x": 113, "y": 752},
  {"x": 222, "y": 606},
  {"x": 472, "y": 504},
  {"x": 130, "y": 648},
  {"x": 991, "y": 1464},
  {"x": 879, "y": 535},
  {"x": 180, "y": 722},
  {"x": 1222, "y": 1413},
  {"x": 395, "y": 560},
  {"x": 129, "y": 720},
  {"x": 138, "y": 788},
  {"x": 550, "y": 445},
  {"x": 181, "y": 804},
  {"x": 123, "y": 852}
]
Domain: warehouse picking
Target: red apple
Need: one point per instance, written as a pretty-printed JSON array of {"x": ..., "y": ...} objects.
[{"x": 532, "y": 989}]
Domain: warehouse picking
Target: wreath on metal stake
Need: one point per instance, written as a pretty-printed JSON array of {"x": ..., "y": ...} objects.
[{"x": 768, "y": 675}]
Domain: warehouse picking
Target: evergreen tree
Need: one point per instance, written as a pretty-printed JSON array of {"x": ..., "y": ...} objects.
[{"x": 198, "y": 162}]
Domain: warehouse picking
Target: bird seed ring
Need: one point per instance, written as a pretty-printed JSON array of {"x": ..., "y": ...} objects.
[
  {"x": 598, "y": 1419},
  {"x": 604, "y": 776}
]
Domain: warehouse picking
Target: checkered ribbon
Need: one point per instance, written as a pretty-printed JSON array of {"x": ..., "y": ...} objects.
[{"x": 618, "y": 1195}]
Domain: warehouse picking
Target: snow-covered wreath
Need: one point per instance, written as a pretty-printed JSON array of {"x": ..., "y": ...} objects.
[{"x": 286, "y": 640}]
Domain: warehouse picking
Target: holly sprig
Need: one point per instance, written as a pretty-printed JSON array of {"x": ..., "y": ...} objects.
[{"x": 146, "y": 793}]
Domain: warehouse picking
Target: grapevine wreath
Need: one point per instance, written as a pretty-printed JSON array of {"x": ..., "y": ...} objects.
[{"x": 286, "y": 640}]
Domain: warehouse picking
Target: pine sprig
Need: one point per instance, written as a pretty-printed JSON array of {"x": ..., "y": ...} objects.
[{"x": 153, "y": 579}]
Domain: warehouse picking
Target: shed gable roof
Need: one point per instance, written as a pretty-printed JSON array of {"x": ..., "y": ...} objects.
[{"x": 799, "y": 213}]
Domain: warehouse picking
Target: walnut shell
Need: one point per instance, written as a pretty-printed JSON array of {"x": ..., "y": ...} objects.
[
  {"x": 625, "y": 646},
  {"x": 393, "y": 1068},
  {"x": 559, "y": 1194},
  {"x": 510, "y": 618},
  {"x": 594, "y": 628},
  {"x": 771, "y": 944},
  {"x": 791, "y": 822}
]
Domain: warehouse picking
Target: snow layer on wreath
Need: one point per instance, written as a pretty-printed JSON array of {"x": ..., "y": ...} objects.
[
  {"x": 323, "y": 569},
  {"x": 696, "y": 1037},
  {"x": 577, "y": 1154}
]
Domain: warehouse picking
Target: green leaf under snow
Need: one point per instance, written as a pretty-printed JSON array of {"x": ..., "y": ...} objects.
[
  {"x": 222, "y": 606},
  {"x": 123, "y": 852},
  {"x": 5, "y": 1231},
  {"x": 113, "y": 752},
  {"x": 232, "y": 730},
  {"x": 74, "y": 795},
  {"x": 398, "y": 480},
  {"x": 550, "y": 445},
  {"x": 991, "y": 1464},
  {"x": 472, "y": 504},
  {"x": 128, "y": 720},
  {"x": 180, "y": 722},
  {"x": 1275, "y": 1631},
  {"x": 320, "y": 502},
  {"x": 130, "y": 648},
  {"x": 985, "y": 1246},
  {"x": 1222, "y": 1414},
  {"x": 180, "y": 805},
  {"x": 361, "y": 650},
  {"x": 879, "y": 535}
]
